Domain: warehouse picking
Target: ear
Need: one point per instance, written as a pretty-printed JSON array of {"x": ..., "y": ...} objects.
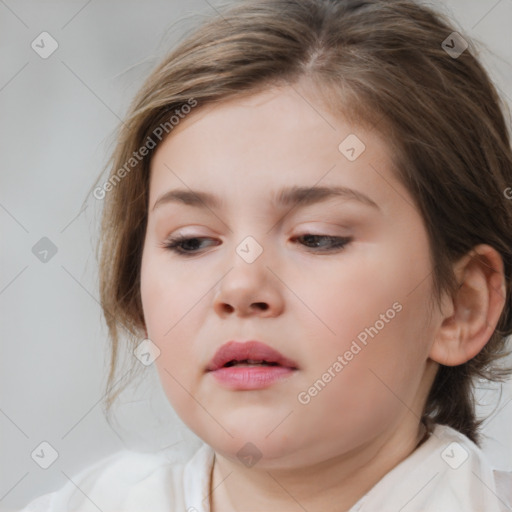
[{"x": 471, "y": 316}]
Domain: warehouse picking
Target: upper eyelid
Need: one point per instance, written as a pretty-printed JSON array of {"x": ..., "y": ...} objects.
[
  {"x": 304, "y": 231},
  {"x": 347, "y": 218},
  {"x": 346, "y": 223}
]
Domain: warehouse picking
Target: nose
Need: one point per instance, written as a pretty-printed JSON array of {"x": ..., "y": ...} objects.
[{"x": 249, "y": 289}]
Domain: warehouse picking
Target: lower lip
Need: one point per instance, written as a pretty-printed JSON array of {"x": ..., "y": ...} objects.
[{"x": 251, "y": 377}]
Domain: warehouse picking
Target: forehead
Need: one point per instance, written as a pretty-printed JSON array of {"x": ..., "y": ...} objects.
[
  {"x": 297, "y": 109},
  {"x": 254, "y": 145}
]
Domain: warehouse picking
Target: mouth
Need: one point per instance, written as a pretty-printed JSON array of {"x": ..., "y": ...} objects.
[
  {"x": 249, "y": 353},
  {"x": 249, "y": 362},
  {"x": 249, "y": 366}
]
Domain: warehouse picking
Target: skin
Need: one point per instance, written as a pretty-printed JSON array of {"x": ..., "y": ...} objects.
[{"x": 301, "y": 299}]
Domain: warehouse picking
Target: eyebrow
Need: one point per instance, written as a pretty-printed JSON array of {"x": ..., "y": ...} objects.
[{"x": 287, "y": 197}]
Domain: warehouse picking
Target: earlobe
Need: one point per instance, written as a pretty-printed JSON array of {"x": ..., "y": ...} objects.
[{"x": 473, "y": 313}]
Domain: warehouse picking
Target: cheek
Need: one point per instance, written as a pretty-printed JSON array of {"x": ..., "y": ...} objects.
[
  {"x": 375, "y": 383},
  {"x": 165, "y": 302},
  {"x": 169, "y": 296},
  {"x": 349, "y": 298},
  {"x": 165, "y": 312},
  {"x": 173, "y": 303},
  {"x": 373, "y": 313}
]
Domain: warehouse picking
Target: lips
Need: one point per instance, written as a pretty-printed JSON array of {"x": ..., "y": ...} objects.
[{"x": 248, "y": 353}]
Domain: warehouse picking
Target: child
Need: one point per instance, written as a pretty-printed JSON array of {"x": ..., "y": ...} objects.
[{"x": 307, "y": 229}]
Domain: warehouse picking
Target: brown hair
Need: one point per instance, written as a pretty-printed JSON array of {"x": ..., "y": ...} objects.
[{"x": 380, "y": 63}]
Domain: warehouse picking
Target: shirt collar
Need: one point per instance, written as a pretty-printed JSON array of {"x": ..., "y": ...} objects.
[{"x": 196, "y": 480}]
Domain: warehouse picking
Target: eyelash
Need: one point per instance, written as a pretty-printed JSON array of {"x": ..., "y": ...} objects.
[{"x": 175, "y": 244}]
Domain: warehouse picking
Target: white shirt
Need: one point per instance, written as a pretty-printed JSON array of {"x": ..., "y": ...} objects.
[{"x": 448, "y": 472}]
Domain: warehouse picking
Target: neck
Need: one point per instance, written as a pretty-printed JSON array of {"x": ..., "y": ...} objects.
[{"x": 335, "y": 484}]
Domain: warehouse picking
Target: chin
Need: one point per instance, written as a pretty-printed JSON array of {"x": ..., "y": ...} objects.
[{"x": 253, "y": 446}]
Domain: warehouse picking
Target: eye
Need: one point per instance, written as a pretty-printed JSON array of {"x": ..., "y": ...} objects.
[
  {"x": 188, "y": 246},
  {"x": 179, "y": 243},
  {"x": 334, "y": 242}
]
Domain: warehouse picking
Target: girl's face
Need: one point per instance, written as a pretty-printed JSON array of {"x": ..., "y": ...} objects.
[{"x": 353, "y": 318}]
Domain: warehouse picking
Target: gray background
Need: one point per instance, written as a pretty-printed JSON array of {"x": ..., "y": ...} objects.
[{"x": 58, "y": 116}]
